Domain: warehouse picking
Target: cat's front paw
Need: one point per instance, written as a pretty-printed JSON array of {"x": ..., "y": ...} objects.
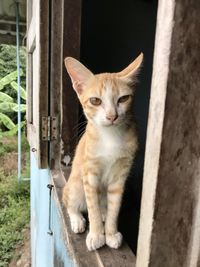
[
  {"x": 95, "y": 241},
  {"x": 114, "y": 241},
  {"x": 78, "y": 224}
]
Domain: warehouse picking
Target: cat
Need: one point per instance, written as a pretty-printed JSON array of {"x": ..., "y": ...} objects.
[{"x": 105, "y": 152}]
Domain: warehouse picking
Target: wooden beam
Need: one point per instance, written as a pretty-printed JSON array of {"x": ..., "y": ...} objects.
[{"x": 169, "y": 228}]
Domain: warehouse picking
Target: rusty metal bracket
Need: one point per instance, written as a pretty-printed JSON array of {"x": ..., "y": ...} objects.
[{"x": 49, "y": 128}]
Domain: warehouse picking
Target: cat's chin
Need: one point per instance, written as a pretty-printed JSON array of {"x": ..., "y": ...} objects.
[{"x": 104, "y": 124}]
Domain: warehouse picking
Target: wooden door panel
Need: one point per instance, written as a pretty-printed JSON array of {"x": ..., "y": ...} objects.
[{"x": 37, "y": 76}]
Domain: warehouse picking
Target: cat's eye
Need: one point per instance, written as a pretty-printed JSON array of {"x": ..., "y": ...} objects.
[
  {"x": 95, "y": 101},
  {"x": 124, "y": 98}
]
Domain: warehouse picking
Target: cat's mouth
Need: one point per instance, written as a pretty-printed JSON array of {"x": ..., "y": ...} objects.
[
  {"x": 110, "y": 124},
  {"x": 107, "y": 123}
]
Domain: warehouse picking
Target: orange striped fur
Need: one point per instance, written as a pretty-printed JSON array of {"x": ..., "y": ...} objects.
[{"x": 105, "y": 152}]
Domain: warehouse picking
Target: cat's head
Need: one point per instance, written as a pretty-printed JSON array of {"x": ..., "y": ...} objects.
[{"x": 106, "y": 98}]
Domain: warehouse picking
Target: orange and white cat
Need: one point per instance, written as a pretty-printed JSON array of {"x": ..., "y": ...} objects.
[{"x": 105, "y": 152}]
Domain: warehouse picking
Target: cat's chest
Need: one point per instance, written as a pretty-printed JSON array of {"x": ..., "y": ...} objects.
[
  {"x": 111, "y": 145},
  {"x": 109, "y": 149}
]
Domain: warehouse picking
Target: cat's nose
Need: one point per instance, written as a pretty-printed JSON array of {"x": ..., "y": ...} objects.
[{"x": 111, "y": 118}]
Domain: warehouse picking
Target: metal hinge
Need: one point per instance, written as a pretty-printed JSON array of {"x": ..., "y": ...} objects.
[{"x": 49, "y": 128}]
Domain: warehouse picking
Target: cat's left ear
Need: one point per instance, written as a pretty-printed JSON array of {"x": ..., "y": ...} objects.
[
  {"x": 130, "y": 73},
  {"x": 78, "y": 73}
]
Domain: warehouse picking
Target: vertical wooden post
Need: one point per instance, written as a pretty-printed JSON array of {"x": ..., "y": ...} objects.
[
  {"x": 170, "y": 225},
  {"x": 65, "y": 41},
  {"x": 56, "y": 45},
  {"x": 71, "y": 47}
]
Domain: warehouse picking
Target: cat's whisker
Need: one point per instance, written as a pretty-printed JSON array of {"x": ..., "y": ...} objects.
[
  {"x": 82, "y": 127},
  {"x": 78, "y": 134},
  {"x": 80, "y": 130},
  {"x": 81, "y": 133},
  {"x": 82, "y": 115},
  {"x": 79, "y": 124}
]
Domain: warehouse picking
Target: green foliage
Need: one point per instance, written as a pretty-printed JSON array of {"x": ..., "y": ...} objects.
[
  {"x": 11, "y": 146},
  {"x": 8, "y": 61},
  {"x": 14, "y": 200},
  {"x": 7, "y": 148},
  {"x": 14, "y": 215},
  {"x": 11, "y": 132},
  {"x": 5, "y": 120},
  {"x": 22, "y": 90},
  {"x": 6, "y": 80},
  {"x": 7, "y": 106},
  {"x": 10, "y": 107},
  {"x": 5, "y": 98},
  {"x": 8, "y": 87}
]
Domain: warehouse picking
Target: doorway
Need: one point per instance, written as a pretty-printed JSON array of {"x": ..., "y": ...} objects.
[{"x": 113, "y": 34}]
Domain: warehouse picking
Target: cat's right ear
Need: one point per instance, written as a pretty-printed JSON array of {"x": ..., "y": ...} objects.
[
  {"x": 78, "y": 73},
  {"x": 130, "y": 73}
]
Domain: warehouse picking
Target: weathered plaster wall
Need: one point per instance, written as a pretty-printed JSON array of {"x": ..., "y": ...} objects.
[
  {"x": 46, "y": 250},
  {"x": 41, "y": 242}
]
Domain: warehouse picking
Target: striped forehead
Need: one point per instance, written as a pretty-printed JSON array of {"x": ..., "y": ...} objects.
[
  {"x": 106, "y": 87},
  {"x": 109, "y": 93}
]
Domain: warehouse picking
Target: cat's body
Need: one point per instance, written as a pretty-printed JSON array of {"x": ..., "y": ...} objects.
[{"x": 104, "y": 154}]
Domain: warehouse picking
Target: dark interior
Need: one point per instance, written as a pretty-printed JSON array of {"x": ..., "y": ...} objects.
[{"x": 113, "y": 34}]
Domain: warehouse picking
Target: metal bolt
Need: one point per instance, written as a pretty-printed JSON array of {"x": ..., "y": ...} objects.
[
  {"x": 50, "y": 232},
  {"x": 50, "y": 186}
]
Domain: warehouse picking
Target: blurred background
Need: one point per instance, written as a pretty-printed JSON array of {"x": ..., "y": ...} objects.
[{"x": 14, "y": 182}]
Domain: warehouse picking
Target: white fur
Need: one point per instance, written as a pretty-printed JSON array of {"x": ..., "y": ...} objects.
[
  {"x": 108, "y": 101},
  {"x": 114, "y": 241},
  {"x": 111, "y": 143},
  {"x": 109, "y": 149},
  {"x": 78, "y": 223},
  {"x": 95, "y": 241}
]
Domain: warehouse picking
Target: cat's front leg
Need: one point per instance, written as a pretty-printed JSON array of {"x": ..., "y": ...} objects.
[
  {"x": 114, "y": 197},
  {"x": 96, "y": 237}
]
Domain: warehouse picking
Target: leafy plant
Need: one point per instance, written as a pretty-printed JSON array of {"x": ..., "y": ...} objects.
[
  {"x": 5, "y": 97},
  {"x": 9, "y": 88},
  {"x": 8, "y": 64},
  {"x": 22, "y": 91},
  {"x": 7, "y": 104},
  {"x": 9, "y": 78},
  {"x": 7, "y": 121}
]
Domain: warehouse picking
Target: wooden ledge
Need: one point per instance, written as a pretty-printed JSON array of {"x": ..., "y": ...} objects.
[{"x": 75, "y": 243}]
